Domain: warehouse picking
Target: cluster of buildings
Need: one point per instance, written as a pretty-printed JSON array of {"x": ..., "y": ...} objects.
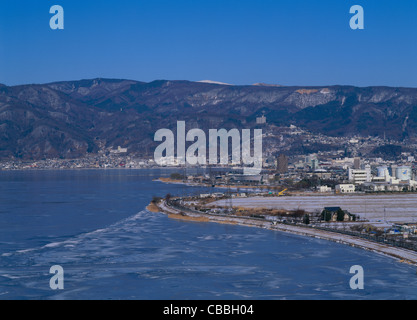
[
  {"x": 384, "y": 178},
  {"x": 283, "y": 164},
  {"x": 337, "y": 175},
  {"x": 115, "y": 159},
  {"x": 349, "y": 175}
]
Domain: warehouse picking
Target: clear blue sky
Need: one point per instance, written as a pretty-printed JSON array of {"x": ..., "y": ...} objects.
[{"x": 289, "y": 42}]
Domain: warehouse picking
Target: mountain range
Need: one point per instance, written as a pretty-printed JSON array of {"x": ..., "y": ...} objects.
[{"x": 73, "y": 118}]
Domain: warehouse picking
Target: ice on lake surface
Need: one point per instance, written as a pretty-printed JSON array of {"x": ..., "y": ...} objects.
[{"x": 94, "y": 225}]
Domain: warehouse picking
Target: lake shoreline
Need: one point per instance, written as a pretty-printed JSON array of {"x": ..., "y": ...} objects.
[{"x": 400, "y": 254}]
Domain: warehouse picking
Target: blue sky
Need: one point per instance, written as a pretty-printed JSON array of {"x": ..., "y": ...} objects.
[{"x": 288, "y": 42}]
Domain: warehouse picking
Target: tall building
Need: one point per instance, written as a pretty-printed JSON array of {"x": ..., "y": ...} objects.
[
  {"x": 314, "y": 164},
  {"x": 394, "y": 171},
  {"x": 282, "y": 164},
  {"x": 357, "y": 163},
  {"x": 312, "y": 161}
]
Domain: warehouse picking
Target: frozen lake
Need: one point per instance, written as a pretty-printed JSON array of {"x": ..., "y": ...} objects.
[{"x": 94, "y": 224}]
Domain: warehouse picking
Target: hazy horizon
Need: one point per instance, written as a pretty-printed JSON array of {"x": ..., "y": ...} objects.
[{"x": 260, "y": 84}]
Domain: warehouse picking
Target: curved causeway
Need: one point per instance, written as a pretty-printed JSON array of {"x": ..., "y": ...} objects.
[{"x": 404, "y": 255}]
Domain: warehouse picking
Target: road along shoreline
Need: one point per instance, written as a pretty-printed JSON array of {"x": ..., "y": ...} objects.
[{"x": 403, "y": 255}]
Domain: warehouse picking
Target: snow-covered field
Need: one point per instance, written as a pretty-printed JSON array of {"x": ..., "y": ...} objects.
[{"x": 393, "y": 208}]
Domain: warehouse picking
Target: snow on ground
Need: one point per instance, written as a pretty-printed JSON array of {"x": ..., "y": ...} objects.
[{"x": 393, "y": 208}]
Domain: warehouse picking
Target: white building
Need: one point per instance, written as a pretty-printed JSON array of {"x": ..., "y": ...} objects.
[
  {"x": 119, "y": 150},
  {"x": 360, "y": 176},
  {"x": 345, "y": 188},
  {"x": 261, "y": 120},
  {"x": 400, "y": 179},
  {"x": 324, "y": 189},
  {"x": 403, "y": 173}
]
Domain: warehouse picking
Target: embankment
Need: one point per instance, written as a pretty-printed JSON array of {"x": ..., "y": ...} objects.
[{"x": 401, "y": 254}]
